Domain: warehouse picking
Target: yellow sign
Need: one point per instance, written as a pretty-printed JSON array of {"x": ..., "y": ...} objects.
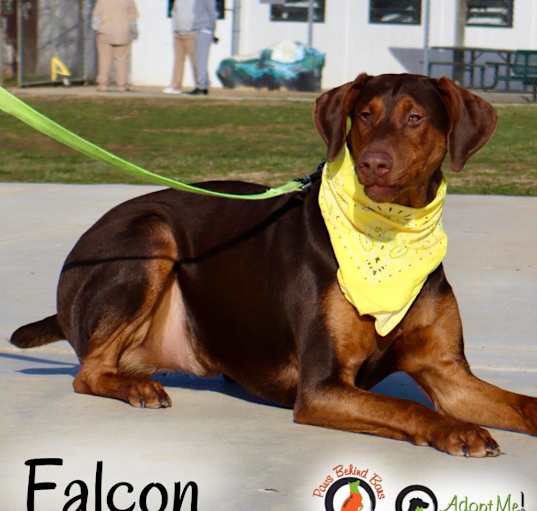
[{"x": 57, "y": 67}]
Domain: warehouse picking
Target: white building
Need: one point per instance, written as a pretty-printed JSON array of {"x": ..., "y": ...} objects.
[{"x": 376, "y": 36}]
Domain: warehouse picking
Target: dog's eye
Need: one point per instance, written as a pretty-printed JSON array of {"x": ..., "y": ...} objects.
[
  {"x": 414, "y": 118},
  {"x": 365, "y": 115}
]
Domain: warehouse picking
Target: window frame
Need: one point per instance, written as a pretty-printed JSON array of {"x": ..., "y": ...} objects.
[
  {"x": 221, "y": 9},
  {"x": 401, "y": 23},
  {"x": 489, "y": 25},
  {"x": 322, "y": 9}
]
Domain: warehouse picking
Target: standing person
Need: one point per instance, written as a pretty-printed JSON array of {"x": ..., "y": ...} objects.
[
  {"x": 182, "y": 14},
  {"x": 115, "y": 24},
  {"x": 204, "y": 25}
]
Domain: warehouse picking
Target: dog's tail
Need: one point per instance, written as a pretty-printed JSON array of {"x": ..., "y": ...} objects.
[{"x": 38, "y": 333}]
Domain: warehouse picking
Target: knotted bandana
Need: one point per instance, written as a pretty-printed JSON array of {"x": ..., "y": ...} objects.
[{"x": 385, "y": 251}]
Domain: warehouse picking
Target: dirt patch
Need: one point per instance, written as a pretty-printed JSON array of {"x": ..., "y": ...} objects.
[
  {"x": 273, "y": 129},
  {"x": 32, "y": 143}
]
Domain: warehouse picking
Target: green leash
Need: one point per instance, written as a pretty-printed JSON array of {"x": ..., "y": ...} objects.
[{"x": 17, "y": 108}]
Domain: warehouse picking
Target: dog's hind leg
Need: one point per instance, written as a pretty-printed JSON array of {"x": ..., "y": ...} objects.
[
  {"x": 116, "y": 364},
  {"x": 114, "y": 310}
]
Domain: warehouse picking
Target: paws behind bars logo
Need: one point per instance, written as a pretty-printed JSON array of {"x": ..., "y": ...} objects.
[{"x": 349, "y": 488}]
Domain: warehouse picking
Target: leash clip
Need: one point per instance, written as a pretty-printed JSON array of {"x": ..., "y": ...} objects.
[{"x": 308, "y": 180}]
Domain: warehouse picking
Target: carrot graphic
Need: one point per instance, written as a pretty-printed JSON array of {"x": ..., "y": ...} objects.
[{"x": 354, "y": 501}]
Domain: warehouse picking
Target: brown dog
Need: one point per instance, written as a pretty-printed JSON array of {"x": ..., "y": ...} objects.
[{"x": 174, "y": 281}]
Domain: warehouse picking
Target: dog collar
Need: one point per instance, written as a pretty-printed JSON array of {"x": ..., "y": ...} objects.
[{"x": 385, "y": 251}]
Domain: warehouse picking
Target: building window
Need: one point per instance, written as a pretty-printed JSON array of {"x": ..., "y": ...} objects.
[
  {"x": 297, "y": 10},
  {"x": 489, "y": 13},
  {"x": 398, "y": 12},
  {"x": 221, "y": 9}
]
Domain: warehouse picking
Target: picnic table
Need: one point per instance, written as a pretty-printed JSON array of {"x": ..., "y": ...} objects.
[{"x": 465, "y": 59}]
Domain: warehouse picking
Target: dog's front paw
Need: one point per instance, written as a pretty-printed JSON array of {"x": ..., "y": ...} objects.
[
  {"x": 460, "y": 439},
  {"x": 148, "y": 394}
]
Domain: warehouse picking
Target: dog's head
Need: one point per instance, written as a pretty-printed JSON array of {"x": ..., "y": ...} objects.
[
  {"x": 416, "y": 504},
  {"x": 402, "y": 126}
]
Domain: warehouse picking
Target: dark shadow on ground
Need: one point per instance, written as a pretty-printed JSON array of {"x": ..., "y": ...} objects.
[
  {"x": 402, "y": 386},
  {"x": 67, "y": 368},
  {"x": 51, "y": 371},
  {"x": 214, "y": 384},
  {"x": 398, "y": 385},
  {"x": 176, "y": 380}
]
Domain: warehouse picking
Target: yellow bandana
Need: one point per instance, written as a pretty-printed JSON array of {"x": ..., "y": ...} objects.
[{"x": 385, "y": 251}]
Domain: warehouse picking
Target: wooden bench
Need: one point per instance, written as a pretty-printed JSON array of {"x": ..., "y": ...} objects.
[{"x": 522, "y": 68}]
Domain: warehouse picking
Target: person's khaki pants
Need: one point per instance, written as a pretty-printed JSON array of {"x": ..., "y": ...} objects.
[
  {"x": 107, "y": 55},
  {"x": 184, "y": 47}
]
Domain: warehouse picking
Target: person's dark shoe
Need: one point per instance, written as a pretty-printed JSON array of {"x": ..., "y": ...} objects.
[{"x": 198, "y": 92}]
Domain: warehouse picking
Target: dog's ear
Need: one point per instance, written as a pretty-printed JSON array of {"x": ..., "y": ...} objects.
[
  {"x": 472, "y": 122},
  {"x": 331, "y": 111}
]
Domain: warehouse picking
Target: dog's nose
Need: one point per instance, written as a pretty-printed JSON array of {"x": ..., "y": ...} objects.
[{"x": 377, "y": 163}]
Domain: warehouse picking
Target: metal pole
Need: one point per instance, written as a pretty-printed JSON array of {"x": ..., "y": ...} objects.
[
  {"x": 426, "y": 32},
  {"x": 458, "y": 55},
  {"x": 460, "y": 22},
  {"x": 82, "y": 25},
  {"x": 236, "y": 28},
  {"x": 310, "y": 22},
  {"x": 2, "y": 45},
  {"x": 20, "y": 46}
]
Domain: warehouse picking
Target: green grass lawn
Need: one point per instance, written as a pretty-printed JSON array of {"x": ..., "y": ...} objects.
[{"x": 257, "y": 141}]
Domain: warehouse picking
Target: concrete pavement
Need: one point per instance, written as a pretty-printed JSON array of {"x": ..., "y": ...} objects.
[{"x": 244, "y": 455}]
